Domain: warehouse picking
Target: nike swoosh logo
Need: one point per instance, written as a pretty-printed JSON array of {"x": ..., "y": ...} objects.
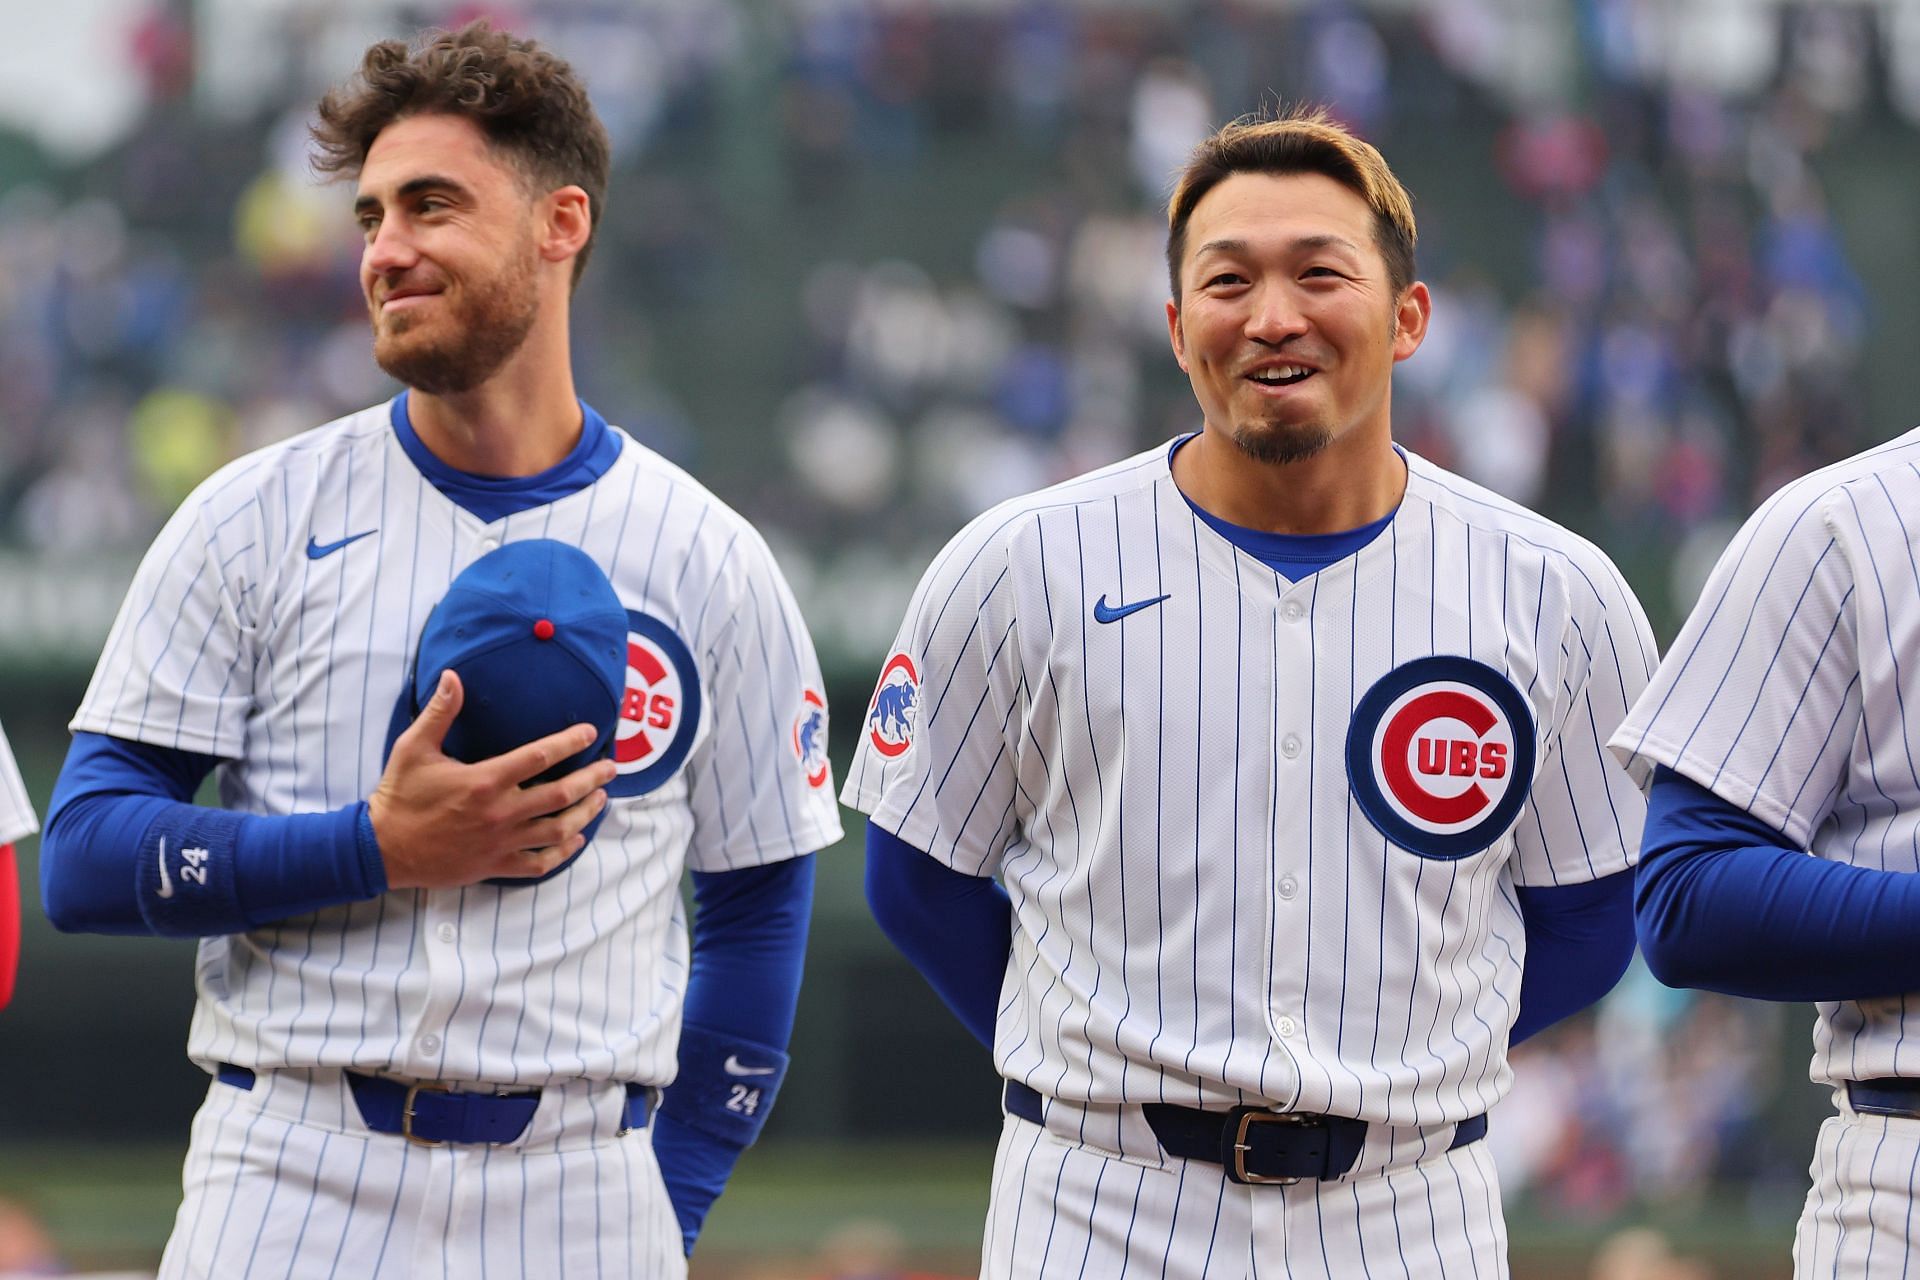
[
  {"x": 735, "y": 1067},
  {"x": 1103, "y": 612},
  {"x": 166, "y": 883},
  {"x": 316, "y": 549}
]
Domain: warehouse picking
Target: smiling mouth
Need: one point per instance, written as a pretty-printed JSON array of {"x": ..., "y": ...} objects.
[{"x": 1280, "y": 376}]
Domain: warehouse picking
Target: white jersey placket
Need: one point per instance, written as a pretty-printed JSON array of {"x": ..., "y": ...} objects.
[
  {"x": 439, "y": 916},
  {"x": 1289, "y": 884},
  {"x": 441, "y": 911}
]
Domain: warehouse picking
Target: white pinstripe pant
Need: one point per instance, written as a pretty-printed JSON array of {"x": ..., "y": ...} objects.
[
  {"x": 284, "y": 1180},
  {"x": 1860, "y": 1219},
  {"x": 1104, "y": 1202}
]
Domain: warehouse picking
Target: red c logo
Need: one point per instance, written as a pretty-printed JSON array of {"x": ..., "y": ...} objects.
[
  {"x": 1449, "y": 704},
  {"x": 651, "y": 705}
]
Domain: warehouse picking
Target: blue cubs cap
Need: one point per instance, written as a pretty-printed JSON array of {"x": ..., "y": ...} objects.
[{"x": 539, "y": 641}]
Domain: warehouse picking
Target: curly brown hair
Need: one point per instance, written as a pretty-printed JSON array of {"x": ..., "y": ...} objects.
[
  {"x": 1305, "y": 140},
  {"x": 531, "y": 106}
]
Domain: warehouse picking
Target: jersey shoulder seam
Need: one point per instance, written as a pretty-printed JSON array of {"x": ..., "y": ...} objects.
[{"x": 1464, "y": 499}]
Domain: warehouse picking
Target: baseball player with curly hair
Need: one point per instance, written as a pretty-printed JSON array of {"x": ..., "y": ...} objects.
[
  {"x": 479, "y": 677},
  {"x": 1777, "y": 727},
  {"x": 1286, "y": 746}
]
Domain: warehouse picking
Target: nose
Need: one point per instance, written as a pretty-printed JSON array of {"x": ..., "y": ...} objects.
[
  {"x": 1276, "y": 316},
  {"x": 389, "y": 250}
]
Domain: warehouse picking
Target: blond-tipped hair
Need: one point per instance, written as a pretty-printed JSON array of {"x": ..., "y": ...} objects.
[{"x": 1304, "y": 140}]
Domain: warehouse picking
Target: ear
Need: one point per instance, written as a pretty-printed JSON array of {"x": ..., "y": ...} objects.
[
  {"x": 569, "y": 223},
  {"x": 1175, "y": 336},
  {"x": 1410, "y": 318}
]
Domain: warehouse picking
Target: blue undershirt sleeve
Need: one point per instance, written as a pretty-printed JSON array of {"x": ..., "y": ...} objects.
[
  {"x": 1579, "y": 942},
  {"x": 1724, "y": 902},
  {"x": 749, "y": 949},
  {"x": 125, "y": 852},
  {"x": 956, "y": 929}
]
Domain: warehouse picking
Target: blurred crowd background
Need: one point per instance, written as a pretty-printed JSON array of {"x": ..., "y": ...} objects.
[{"x": 871, "y": 265}]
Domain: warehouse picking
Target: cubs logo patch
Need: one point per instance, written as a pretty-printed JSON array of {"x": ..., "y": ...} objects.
[
  {"x": 810, "y": 738},
  {"x": 891, "y": 714},
  {"x": 660, "y": 712},
  {"x": 1440, "y": 755}
]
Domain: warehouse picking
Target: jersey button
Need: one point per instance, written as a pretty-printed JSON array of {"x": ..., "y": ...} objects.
[
  {"x": 447, "y": 933},
  {"x": 1293, "y": 611},
  {"x": 1286, "y": 1027},
  {"x": 1288, "y": 887},
  {"x": 429, "y": 1044},
  {"x": 1290, "y": 747}
]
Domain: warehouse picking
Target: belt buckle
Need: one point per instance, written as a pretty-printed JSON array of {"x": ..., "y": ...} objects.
[
  {"x": 1250, "y": 1116},
  {"x": 406, "y": 1112}
]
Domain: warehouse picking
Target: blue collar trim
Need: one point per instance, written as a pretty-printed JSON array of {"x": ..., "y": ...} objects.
[
  {"x": 1292, "y": 555},
  {"x": 495, "y": 498}
]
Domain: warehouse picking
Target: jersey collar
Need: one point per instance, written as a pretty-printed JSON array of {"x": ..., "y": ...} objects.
[
  {"x": 494, "y": 498},
  {"x": 1292, "y": 555}
]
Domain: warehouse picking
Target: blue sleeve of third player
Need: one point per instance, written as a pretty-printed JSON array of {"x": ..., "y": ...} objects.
[
  {"x": 956, "y": 929},
  {"x": 1724, "y": 902}
]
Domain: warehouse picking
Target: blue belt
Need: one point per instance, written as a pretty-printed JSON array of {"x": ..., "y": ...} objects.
[
  {"x": 1889, "y": 1097},
  {"x": 1253, "y": 1144},
  {"x": 432, "y": 1114}
]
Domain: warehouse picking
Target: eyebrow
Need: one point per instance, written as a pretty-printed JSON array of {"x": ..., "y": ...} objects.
[
  {"x": 413, "y": 187},
  {"x": 1303, "y": 242}
]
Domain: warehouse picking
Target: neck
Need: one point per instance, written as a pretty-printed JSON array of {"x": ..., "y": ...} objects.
[
  {"x": 523, "y": 420},
  {"x": 1355, "y": 480}
]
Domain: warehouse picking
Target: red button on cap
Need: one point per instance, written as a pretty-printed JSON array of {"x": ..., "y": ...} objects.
[{"x": 543, "y": 629}]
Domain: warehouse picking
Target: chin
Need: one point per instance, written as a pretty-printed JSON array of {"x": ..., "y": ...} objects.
[
  {"x": 1279, "y": 443},
  {"x": 428, "y": 368}
]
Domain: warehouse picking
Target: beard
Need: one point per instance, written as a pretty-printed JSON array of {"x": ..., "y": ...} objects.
[
  {"x": 488, "y": 321},
  {"x": 1280, "y": 443}
]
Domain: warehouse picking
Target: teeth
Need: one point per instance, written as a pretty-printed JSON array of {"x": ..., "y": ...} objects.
[{"x": 1281, "y": 374}]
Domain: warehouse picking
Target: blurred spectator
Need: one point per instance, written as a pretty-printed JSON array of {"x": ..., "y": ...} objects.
[
  {"x": 1642, "y": 1254},
  {"x": 1657, "y": 1099},
  {"x": 26, "y": 1249}
]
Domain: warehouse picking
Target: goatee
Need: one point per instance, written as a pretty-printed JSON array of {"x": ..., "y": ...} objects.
[{"x": 1271, "y": 443}]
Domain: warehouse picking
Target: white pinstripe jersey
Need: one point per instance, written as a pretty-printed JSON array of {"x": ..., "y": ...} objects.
[
  {"x": 237, "y": 641},
  {"x": 16, "y": 810},
  {"x": 1205, "y": 911},
  {"x": 1785, "y": 695}
]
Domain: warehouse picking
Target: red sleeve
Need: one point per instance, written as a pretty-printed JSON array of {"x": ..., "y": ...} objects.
[{"x": 9, "y": 923}]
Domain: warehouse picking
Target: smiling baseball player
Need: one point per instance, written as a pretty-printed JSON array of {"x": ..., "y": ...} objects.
[
  {"x": 438, "y": 1015},
  {"x": 1779, "y": 725},
  {"x": 1286, "y": 745}
]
